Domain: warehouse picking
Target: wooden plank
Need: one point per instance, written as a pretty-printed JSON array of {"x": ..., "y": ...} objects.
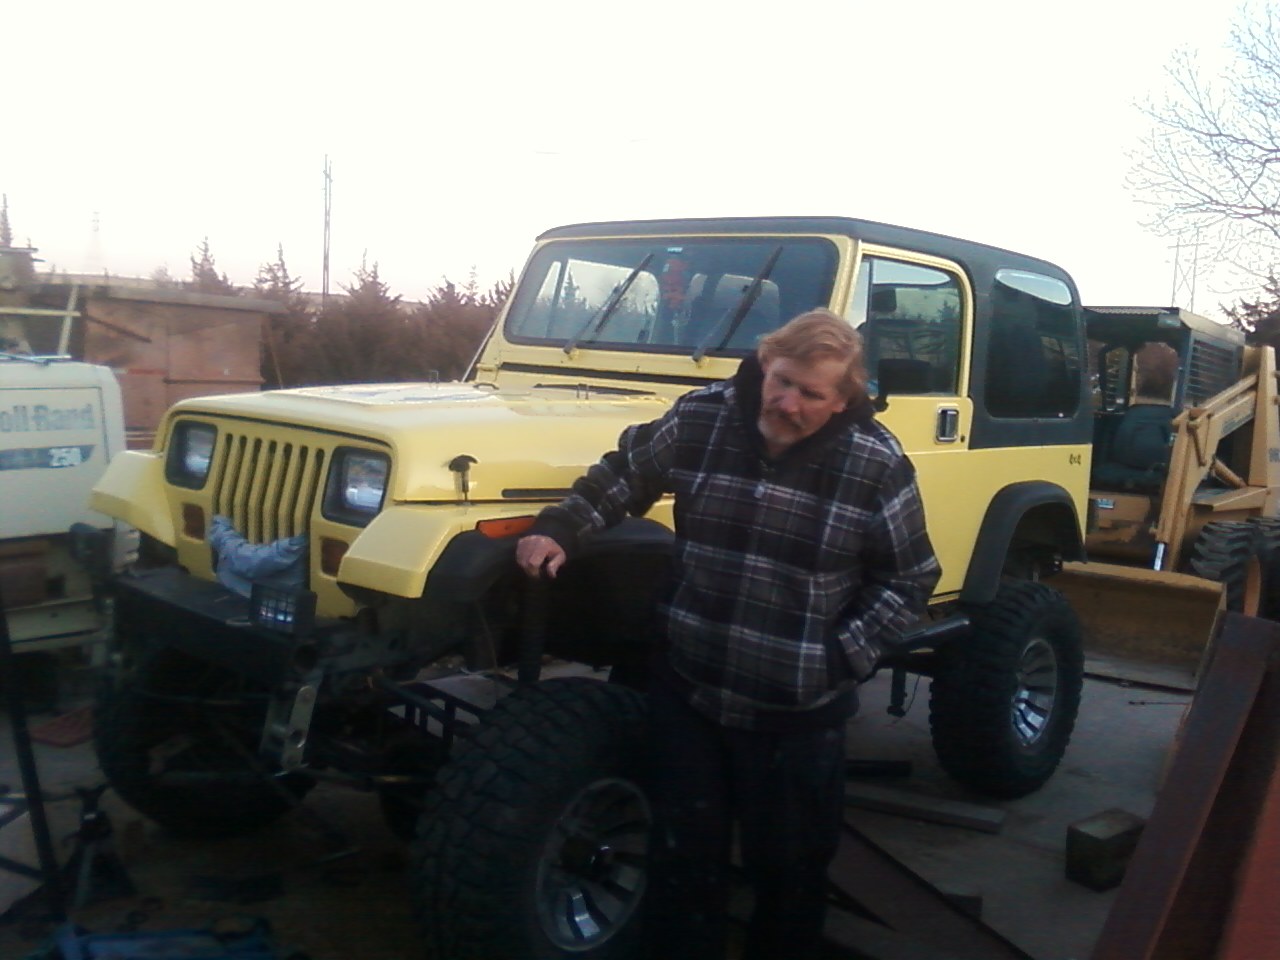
[
  {"x": 1166, "y": 676},
  {"x": 954, "y": 813},
  {"x": 902, "y": 903}
]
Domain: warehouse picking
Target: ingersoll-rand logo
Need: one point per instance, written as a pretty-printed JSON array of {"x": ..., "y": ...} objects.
[{"x": 41, "y": 418}]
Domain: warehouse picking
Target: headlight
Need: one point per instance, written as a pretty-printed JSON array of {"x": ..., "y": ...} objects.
[
  {"x": 357, "y": 486},
  {"x": 190, "y": 453}
]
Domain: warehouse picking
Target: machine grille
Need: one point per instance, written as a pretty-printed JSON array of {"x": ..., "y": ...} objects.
[
  {"x": 1212, "y": 369},
  {"x": 267, "y": 487}
]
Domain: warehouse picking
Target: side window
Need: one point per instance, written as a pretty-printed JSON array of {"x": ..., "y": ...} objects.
[
  {"x": 1033, "y": 353},
  {"x": 910, "y": 318}
]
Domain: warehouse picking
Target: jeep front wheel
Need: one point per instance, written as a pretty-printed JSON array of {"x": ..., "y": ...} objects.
[
  {"x": 533, "y": 843},
  {"x": 1003, "y": 703},
  {"x": 176, "y": 739}
]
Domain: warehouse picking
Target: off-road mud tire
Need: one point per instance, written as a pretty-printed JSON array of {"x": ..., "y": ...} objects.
[
  {"x": 1003, "y": 702},
  {"x": 176, "y": 740},
  {"x": 488, "y": 870},
  {"x": 1234, "y": 553}
]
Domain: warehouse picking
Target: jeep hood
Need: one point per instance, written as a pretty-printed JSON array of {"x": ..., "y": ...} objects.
[{"x": 524, "y": 444}]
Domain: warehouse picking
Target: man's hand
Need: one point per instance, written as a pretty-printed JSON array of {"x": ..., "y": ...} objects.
[{"x": 537, "y": 554}]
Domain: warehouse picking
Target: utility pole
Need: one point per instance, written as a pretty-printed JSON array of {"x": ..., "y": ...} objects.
[{"x": 328, "y": 205}]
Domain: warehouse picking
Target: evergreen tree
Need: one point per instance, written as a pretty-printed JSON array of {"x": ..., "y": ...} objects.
[
  {"x": 450, "y": 326},
  {"x": 360, "y": 338},
  {"x": 163, "y": 279},
  {"x": 288, "y": 336},
  {"x": 205, "y": 277},
  {"x": 1260, "y": 319}
]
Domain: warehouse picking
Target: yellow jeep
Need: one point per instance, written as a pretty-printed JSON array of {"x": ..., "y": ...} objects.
[{"x": 531, "y": 835}]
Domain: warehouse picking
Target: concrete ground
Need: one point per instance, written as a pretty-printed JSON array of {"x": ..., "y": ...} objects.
[
  {"x": 348, "y": 902},
  {"x": 1116, "y": 758}
]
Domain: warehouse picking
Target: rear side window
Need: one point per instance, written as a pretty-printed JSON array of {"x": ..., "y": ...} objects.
[
  {"x": 1033, "y": 353},
  {"x": 910, "y": 318}
]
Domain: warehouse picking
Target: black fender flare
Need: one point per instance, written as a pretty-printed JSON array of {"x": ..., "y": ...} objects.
[
  {"x": 472, "y": 562},
  {"x": 1004, "y": 514}
]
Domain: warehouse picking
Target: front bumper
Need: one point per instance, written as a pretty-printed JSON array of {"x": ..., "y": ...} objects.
[{"x": 206, "y": 621}]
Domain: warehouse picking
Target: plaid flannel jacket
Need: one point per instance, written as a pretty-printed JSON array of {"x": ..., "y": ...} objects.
[{"x": 791, "y": 577}]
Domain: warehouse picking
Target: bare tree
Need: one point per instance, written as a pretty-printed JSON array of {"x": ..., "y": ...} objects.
[{"x": 1211, "y": 164}]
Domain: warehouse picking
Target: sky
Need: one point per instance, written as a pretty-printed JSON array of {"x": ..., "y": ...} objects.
[{"x": 456, "y": 132}]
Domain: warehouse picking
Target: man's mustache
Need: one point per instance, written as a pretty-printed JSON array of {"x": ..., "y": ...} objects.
[{"x": 775, "y": 414}]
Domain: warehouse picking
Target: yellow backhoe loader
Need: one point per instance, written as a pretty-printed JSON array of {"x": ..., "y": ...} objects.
[{"x": 1183, "y": 487}]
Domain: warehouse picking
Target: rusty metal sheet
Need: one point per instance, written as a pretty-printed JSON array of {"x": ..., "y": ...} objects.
[
  {"x": 172, "y": 348},
  {"x": 1253, "y": 927},
  {"x": 212, "y": 345},
  {"x": 145, "y": 399},
  {"x": 1183, "y": 878}
]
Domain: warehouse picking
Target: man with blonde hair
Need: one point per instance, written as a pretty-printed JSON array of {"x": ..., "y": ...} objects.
[{"x": 800, "y": 556}]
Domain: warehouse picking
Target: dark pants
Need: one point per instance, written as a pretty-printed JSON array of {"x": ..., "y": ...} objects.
[{"x": 786, "y": 794}]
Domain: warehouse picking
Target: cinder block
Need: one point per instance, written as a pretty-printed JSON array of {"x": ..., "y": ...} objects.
[
  {"x": 968, "y": 900},
  {"x": 1099, "y": 847}
]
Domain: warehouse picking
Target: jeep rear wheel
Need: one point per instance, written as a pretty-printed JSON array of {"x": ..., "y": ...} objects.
[
  {"x": 533, "y": 843},
  {"x": 1004, "y": 702},
  {"x": 176, "y": 738}
]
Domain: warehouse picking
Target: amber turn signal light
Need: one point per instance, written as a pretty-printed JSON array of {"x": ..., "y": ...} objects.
[
  {"x": 331, "y": 554},
  {"x": 506, "y": 527},
  {"x": 193, "y": 521}
]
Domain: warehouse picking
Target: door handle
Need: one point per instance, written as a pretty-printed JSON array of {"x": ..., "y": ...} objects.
[{"x": 948, "y": 430}]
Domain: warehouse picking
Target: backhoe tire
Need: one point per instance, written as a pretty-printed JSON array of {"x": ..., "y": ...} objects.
[
  {"x": 532, "y": 845},
  {"x": 1234, "y": 553},
  {"x": 1268, "y": 529},
  {"x": 176, "y": 738},
  {"x": 1003, "y": 702}
]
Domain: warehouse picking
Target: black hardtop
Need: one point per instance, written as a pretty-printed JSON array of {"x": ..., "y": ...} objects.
[{"x": 966, "y": 252}]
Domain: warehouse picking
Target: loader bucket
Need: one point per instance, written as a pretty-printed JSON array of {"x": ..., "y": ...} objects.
[{"x": 1147, "y": 626}]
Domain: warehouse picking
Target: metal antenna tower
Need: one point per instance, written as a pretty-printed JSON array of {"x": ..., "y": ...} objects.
[
  {"x": 328, "y": 205},
  {"x": 1184, "y": 279}
]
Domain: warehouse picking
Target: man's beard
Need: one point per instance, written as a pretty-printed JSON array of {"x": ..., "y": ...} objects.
[{"x": 777, "y": 427}]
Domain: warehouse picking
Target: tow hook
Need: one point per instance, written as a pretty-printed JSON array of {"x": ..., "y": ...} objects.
[{"x": 290, "y": 736}]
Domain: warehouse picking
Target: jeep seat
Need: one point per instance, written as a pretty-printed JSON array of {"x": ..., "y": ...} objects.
[
  {"x": 1139, "y": 450},
  {"x": 712, "y": 304}
]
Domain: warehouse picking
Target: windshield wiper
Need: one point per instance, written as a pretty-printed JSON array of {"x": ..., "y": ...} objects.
[
  {"x": 750, "y": 294},
  {"x": 592, "y": 327}
]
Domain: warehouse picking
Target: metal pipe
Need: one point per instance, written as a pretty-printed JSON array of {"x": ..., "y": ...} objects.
[{"x": 30, "y": 774}]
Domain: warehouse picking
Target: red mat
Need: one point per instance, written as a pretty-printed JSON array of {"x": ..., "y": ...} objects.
[{"x": 69, "y": 730}]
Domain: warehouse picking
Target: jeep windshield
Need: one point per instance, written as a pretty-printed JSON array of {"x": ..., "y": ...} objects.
[{"x": 685, "y": 291}]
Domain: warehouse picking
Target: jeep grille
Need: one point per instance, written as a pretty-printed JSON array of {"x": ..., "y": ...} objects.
[{"x": 267, "y": 487}]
